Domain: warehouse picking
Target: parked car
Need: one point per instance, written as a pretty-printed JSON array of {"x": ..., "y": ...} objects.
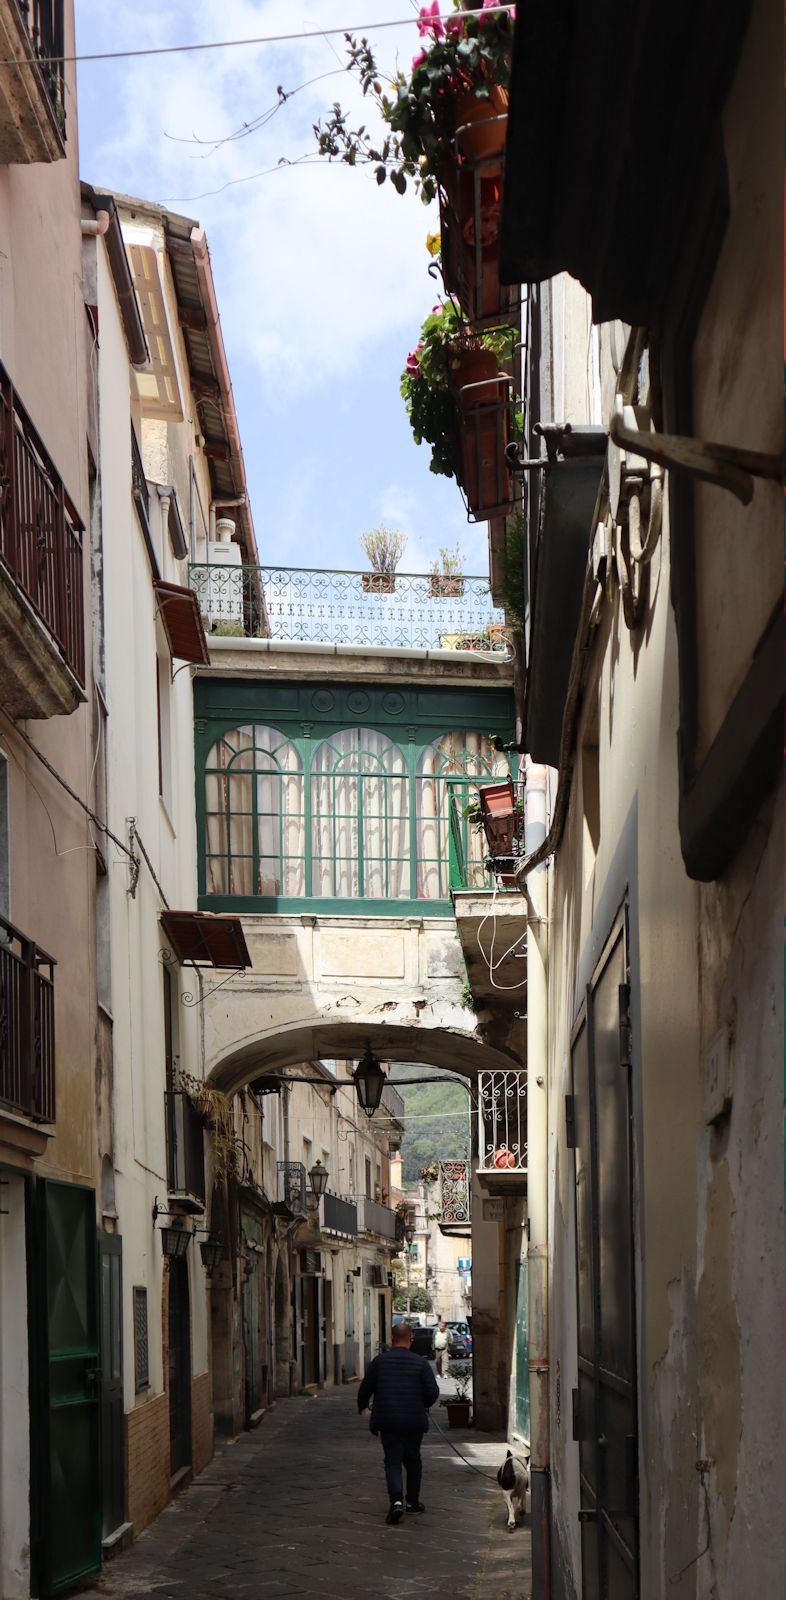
[
  {"x": 460, "y": 1347},
  {"x": 423, "y": 1342}
]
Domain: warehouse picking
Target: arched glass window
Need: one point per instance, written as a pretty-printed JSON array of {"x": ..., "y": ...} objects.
[
  {"x": 360, "y": 817},
  {"x": 450, "y": 770},
  {"x": 255, "y": 831}
]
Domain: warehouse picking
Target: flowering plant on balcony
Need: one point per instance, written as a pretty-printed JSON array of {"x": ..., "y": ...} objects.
[
  {"x": 462, "y": 59},
  {"x": 431, "y": 378}
]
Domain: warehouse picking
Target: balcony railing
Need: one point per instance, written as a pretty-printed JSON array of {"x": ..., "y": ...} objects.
[
  {"x": 375, "y": 1218},
  {"x": 27, "y": 1026},
  {"x": 40, "y": 532},
  {"x": 402, "y": 610},
  {"x": 185, "y": 1150},
  {"x": 454, "y": 1204},
  {"x": 502, "y": 1124},
  {"x": 339, "y": 1216},
  {"x": 393, "y": 1102},
  {"x": 44, "y": 20},
  {"x": 292, "y": 1185}
]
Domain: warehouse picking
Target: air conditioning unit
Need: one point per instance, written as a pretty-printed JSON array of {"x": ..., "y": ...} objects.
[{"x": 376, "y": 1277}]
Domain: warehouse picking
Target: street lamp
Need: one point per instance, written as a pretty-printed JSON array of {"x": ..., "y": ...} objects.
[
  {"x": 319, "y": 1178},
  {"x": 409, "y": 1232},
  {"x": 175, "y": 1240},
  {"x": 211, "y": 1251},
  {"x": 369, "y": 1082}
]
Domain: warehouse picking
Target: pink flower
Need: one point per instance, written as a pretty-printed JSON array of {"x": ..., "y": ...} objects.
[
  {"x": 430, "y": 21},
  {"x": 413, "y": 362},
  {"x": 454, "y": 24},
  {"x": 417, "y": 61}
]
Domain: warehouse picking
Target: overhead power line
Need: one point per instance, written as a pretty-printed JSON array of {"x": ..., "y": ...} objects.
[{"x": 232, "y": 44}]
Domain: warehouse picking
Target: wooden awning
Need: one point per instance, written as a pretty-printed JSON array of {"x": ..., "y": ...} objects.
[
  {"x": 182, "y": 619},
  {"x": 206, "y": 939}
]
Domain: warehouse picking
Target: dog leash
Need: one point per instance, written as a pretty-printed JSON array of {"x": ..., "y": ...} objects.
[{"x": 492, "y": 1477}]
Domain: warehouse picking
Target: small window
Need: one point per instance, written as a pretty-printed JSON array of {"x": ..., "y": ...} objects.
[{"x": 141, "y": 1346}]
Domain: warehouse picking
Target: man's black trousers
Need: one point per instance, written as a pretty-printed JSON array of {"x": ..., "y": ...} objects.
[{"x": 402, "y": 1454}]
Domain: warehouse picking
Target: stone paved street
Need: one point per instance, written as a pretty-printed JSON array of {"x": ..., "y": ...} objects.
[{"x": 297, "y": 1508}]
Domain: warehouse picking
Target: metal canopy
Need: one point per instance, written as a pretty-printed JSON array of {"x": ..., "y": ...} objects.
[
  {"x": 179, "y": 611},
  {"x": 205, "y": 939}
]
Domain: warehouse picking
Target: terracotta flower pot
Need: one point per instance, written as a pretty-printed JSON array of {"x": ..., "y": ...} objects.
[
  {"x": 379, "y": 582},
  {"x": 441, "y": 588},
  {"x": 458, "y": 1413},
  {"x": 482, "y": 125}
]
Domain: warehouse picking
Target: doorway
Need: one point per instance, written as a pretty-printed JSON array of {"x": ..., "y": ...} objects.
[
  {"x": 66, "y": 1386},
  {"x": 383, "y": 1322},
  {"x": 179, "y": 1367},
  {"x": 605, "y": 1405},
  {"x": 110, "y": 1295},
  {"x": 350, "y": 1342},
  {"x": 282, "y": 1345}
]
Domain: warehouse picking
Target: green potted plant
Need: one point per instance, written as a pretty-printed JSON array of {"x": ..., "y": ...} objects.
[
  {"x": 446, "y": 580},
  {"x": 458, "y": 1405},
  {"x": 454, "y": 390},
  {"x": 454, "y": 99},
  {"x": 384, "y": 548}
]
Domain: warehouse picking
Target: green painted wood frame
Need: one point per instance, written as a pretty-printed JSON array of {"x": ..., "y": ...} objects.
[{"x": 307, "y": 714}]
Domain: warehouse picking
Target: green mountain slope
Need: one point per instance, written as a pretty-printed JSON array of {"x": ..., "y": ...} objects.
[{"x": 437, "y": 1121}]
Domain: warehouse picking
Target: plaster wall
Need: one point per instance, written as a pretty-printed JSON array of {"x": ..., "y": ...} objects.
[
  {"x": 134, "y": 643},
  {"x": 706, "y": 996},
  {"x": 44, "y": 345}
]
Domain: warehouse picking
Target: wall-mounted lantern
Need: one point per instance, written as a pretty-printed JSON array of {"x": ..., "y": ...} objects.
[{"x": 318, "y": 1175}]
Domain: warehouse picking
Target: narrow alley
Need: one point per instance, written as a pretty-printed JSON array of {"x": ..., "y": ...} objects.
[{"x": 296, "y": 1508}]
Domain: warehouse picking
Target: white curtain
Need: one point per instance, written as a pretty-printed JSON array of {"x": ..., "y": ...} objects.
[
  {"x": 256, "y": 782},
  {"x": 359, "y": 805}
]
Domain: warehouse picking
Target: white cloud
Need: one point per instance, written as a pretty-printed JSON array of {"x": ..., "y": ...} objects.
[{"x": 316, "y": 265}]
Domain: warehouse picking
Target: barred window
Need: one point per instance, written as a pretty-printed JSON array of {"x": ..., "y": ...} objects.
[{"x": 141, "y": 1345}]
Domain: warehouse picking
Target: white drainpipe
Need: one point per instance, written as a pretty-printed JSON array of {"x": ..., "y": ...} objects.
[{"x": 537, "y": 1180}]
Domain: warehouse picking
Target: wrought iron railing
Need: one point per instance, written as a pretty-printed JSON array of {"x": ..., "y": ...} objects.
[
  {"x": 339, "y": 1216},
  {"x": 502, "y": 1123},
  {"x": 469, "y": 863},
  {"x": 139, "y": 487},
  {"x": 185, "y": 1147},
  {"x": 376, "y": 1218},
  {"x": 292, "y": 1185},
  {"x": 45, "y": 23},
  {"x": 27, "y": 1026},
  {"x": 401, "y": 610},
  {"x": 40, "y": 532},
  {"x": 392, "y": 1102},
  {"x": 454, "y": 1206}
]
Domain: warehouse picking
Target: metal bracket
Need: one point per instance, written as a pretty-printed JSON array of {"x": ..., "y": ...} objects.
[
  {"x": 725, "y": 465},
  {"x": 187, "y": 998}
]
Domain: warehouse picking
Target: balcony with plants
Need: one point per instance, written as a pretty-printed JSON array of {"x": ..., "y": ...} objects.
[
  {"x": 42, "y": 627},
  {"x": 444, "y": 129},
  {"x": 33, "y": 93},
  {"x": 374, "y": 608}
]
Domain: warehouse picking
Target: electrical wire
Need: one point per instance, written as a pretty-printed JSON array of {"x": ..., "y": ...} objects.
[
  {"x": 231, "y": 44},
  {"x": 502, "y": 988}
]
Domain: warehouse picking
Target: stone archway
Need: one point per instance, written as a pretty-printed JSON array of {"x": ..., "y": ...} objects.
[{"x": 282, "y": 1337}]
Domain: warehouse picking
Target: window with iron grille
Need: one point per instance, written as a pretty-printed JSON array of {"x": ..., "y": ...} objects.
[{"x": 141, "y": 1343}]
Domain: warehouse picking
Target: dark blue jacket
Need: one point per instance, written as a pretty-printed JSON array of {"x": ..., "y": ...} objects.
[{"x": 403, "y": 1386}]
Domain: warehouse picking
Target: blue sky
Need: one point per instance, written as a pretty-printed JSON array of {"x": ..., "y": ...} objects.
[{"x": 322, "y": 277}]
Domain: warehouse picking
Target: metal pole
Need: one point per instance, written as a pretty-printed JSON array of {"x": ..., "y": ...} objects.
[{"x": 537, "y": 1185}]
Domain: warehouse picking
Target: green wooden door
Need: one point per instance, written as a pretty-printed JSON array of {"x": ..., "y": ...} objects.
[{"x": 70, "y": 1545}]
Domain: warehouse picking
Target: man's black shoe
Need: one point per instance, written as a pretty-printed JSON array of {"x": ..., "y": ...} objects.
[
  {"x": 395, "y": 1513},
  {"x": 418, "y": 1506}
]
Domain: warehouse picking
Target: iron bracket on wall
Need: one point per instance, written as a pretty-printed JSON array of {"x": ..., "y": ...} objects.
[
  {"x": 167, "y": 959},
  {"x": 728, "y": 466}
]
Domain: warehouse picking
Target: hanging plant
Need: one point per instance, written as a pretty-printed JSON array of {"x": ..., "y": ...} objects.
[
  {"x": 457, "y": 80},
  {"x": 447, "y": 358}
]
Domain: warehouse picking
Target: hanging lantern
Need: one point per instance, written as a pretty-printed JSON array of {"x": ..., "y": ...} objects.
[{"x": 369, "y": 1082}]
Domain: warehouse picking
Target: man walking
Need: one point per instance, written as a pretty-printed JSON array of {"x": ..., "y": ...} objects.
[
  {"x": 402, "y": 1387},
  {"x": 442, "y": 1347}
]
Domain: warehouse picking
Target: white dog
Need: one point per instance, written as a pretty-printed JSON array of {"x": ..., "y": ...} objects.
[{"x": 513, "y": 1479}]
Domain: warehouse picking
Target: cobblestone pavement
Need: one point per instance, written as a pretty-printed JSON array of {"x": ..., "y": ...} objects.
[{"x": 297, "y": 1508}]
